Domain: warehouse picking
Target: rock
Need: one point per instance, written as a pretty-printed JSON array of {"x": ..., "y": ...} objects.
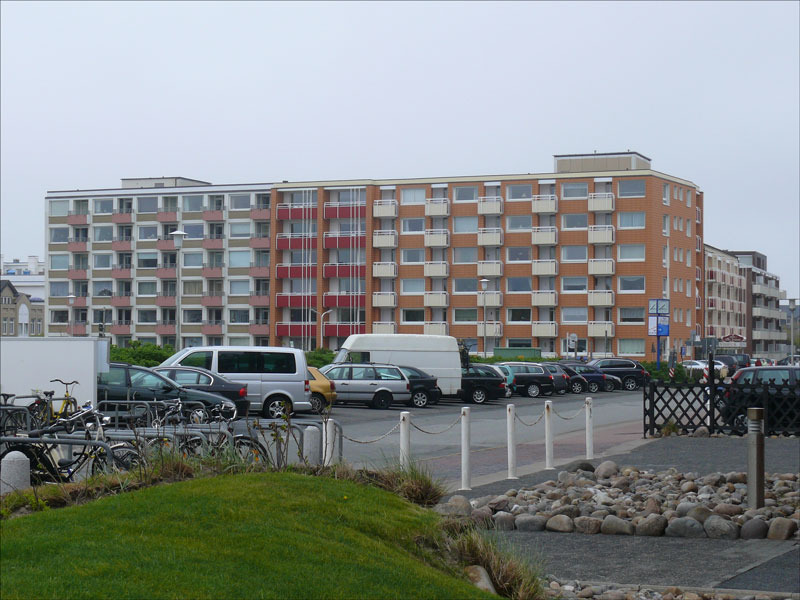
[
  {"x": 621, "y": 483},
  {"x": 570, "y": 510},
  {"x": 700, "y": 432},
  {"x": 685, "y": 527},
  {"x": 606, "y": 469},
  {"x": 588, "y": 525},
  {"x": 554, "y": 585},
  {"x": 651, "y": 507},
  {"x": 584, "y": 466},
  {"x": 690, "y": 596},
  {"x": 699, "y": 513},
  {"x": 684, "y": 508},
  {"x": 560, "y": 524},
  {"x": 653, "y": 526},
  {"x": 512, "y": 493},
  {"x": 481, "y": 516},
  {"x": 736, "y": 477},
  {"x": 530, "y": 523},
  {"x": 728, "y": 510},
  {"x": 462, "y": 505},
  {"x": 586, "y": 592},
  {"x": 499, "y": 503},
  {"x": 688, "y": 486},
  {"x": 675, "y": 591},
  {"x": 781, "y": 528},
  {"x": 503, "y": 521},
  {"x": 480, "y": 578},
  {"x": 451, "y": 509},
  {"x": 615, "y": 526},
  {"x": 566, "y": 478},
  {"x": 719, "y": 528},
  {"x": 612, "y": 595},
  {"x": 599, "y": 514}
]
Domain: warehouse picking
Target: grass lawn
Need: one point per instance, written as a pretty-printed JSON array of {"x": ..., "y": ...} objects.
[{"x": 267, "y": 535}]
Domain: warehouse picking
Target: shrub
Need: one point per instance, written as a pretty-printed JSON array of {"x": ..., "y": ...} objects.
[
  {"x": 319, "y": 357},
  {"x": 143, "y": 355}
]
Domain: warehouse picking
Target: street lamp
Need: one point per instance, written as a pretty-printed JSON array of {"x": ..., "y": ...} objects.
[
  {"x": 484, "y": 284},
  {"x": 792, "y": 305},
  {"x": 322, "y": 325},
  {"x": 178, "y": 236}
]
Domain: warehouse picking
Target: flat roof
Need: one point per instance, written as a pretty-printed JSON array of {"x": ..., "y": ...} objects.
[{"x": 590, "y": 155}]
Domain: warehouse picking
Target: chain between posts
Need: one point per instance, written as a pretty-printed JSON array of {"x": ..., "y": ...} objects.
[
  {"x": 569, "y": 418},
  {"x": 448, "y": 428},
  {"x": 392, "y": 430},
  {"x": 541, "y": 416}
]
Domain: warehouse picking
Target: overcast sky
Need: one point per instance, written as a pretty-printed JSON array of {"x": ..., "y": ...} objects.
[{"x": 250, "y": 92}]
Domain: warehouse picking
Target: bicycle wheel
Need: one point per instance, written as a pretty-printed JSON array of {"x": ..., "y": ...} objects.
[
  {"x": 249, "y": 450},
  {"x": 42, "y": 468}
]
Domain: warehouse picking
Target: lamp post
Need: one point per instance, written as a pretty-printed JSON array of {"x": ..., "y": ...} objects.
[
  {"x": 484, "y": 284},
  {"x": 70, "y": 322},
  {"x": 792, "y": 305},
  {"x": 322, "y": 325},
  {"x": 177, "y": 237}
]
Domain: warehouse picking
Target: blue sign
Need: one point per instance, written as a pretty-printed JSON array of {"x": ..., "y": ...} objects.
[{"x": 663, "y": 326}]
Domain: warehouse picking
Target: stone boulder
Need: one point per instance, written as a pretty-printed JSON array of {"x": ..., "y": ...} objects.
[
  {"x": 615, "y": 526},
  {"x": 480, "y": 578},
  {"x": 653, "y": 526},
  {"x": 560, "y": 524},
  {"x": 503, "y": 521},
  {"x": 684, "y": 508},
  {"x": 781, "y": 528},
  {"x": 606, "y": 469},
  {"x": 729, "y": 510},
  {"x": 699, "y": 513},
  {"x": 719, "y": 528},
  {"x": 499, "y": 503},
  {"x": 685, "y": 527},
  {"x": 482, "y": 516},
  {"x": 570, "y": 510},
  {"x": 588, "y": 525},
  {"x": 530, "y": 523}
]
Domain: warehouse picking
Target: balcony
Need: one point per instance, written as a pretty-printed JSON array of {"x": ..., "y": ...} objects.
[
  {"x": 764, "y": 312},
  {"x": 437, "y": 238},
  {"x": 215, "y": 241},
  {"x": 544, "y": 204},
  {"x": 601, "y": 329},
  {"x": 769, "y": 334},
  {"x": 296, "y": 241},
  {"x": 259, "y": 299},
  {"x": 760, "y": 289},
  {"x": 166, "y": 272},
  {"x": 385, "y": 327},
  {"x": 121, "y": 299},
  {"x": 77, "y": 244},
  {"x": 490, "y": 268},
  {"x": 213, "y": 299},
  {"x": 119, "y": 328},
  {"x": 384, "y": 269},
  {"x": 601, "y": 234},
  {"x": 296, "y": 329},
  {"x": 211, "y": 328},
  {"x": 337, "y": 239},
  {"x": 384, "y": 238},
  {"x": 343, "y": 270},
  {"x": 212, "y": 271},
  {"x": 547, "y": 329},
  {"x": 544, "y": 236},
  {"x": 165, "y": 328},
  {"x": 213, "y": 216},
  {"x": 544, "y": 268},
  {"x": 287, "y": 270},
  {"x": 712, "y": 302},
  {"x": 601, "y": 266},
  {"x": 436, "y": 269},
  {"x": 490, "y": 205},
  {"x": 384, "y": 209},
  {"x": 490, "y": 236},
  {"x": 259, "y": 270},
  {"x": 259, "y": 213},
  {"x": 434, "y": 328},
  {"x": 437, "y": 207},
  {"x": 490, "y": 299},
  {"x": 75, "y": 217},
  {"x": 343, "y": 299},
  {"x": 166, "y": 299},
  {"x": 384, "y": 300},
  {"x": 121, "y": 271},
  {"x": 295, "y": 300},
  {"x": 122, "y": 215},
  {"x": 490, "y": 329},
  {"x": 167, "y": 216},
  {"x": 601, "y": 202},
  {"x": 81, "y": 299},
  {"x": 544, "y": 298},
  {"x": 258, "y": 329},
  {"x": 165, "y": 242},
  {"x": 436, "y": 299},
  {"x": 296, "y": 211},
  {"x": 343, "y": 329},
  {"x": 600, "y": 298},
  {"x": 344, "y": 210},
  {"x": 123, "y": 243},
  {"x": 259, "y": 240},
  {"x": 77, "y": 273}
]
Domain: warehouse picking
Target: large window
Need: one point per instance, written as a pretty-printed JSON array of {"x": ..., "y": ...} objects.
[
  {"x": 412, "y": 196},
  {"x": 575, "y": 221},
  {"x": 192, "y": 204},
  {"x": 519, "y": 315},
  {"x": 146, "y": 232},
  {"x": 574, "y": 285},
  {"x": 465, "y": 255},
  {"x": 146, "y": 288},
  {"x": 633, "y": 284},
  {"x": 518, "y": 284},
  {"x": 59, "y": 262},
  {"x": 59, "y": 288},
  {"x": 465, "y": 285},
  {"x": 465, "y": 315},
  {"x": 633, "y": 315},
  {"x": 193, "y": 259},
  {"x": 518, "y": 222},
  {"x": 59, "y": 208},
  {"x": 102, "y": 288},
  {"x": 631, "y": 347},
  {"x": 102, "y": 261},
  {"x": 193, "y": 287},
  {"x": 146, "y": 315},
  {"x": 519, "y": 342},
  {"x": 631, "y": 252},
  {"x": 59, "y": 235},
  {"x": 103, "y": 206},
  {"x": 465, "y": 225},
  {"x": 412, "y": 256},
  {"x": 413, "y": 315},
  {"x": 518, "y": 254},
  {"x": 193, "y": 315},
  {"x": 416, "y": 225},
  {"x": 240, "y": 230},
  {"x": 574, "y": 314},
  {"x": 146, "y": 260},
  {"x": 240, "y": 287},
  {"x": 465, "y": 194},
  {"x": 574, "y": 190},
  {"x": 239, "y": 258},
  {"x": 240, "y": 201},
  {"x": 631, "y": 188},
  {"x": 519, "y": 191},
  {"x": 413, "y": 286},
  {"x": 239, "y": 315},
  {"x": 103, "y": 234},
  {"x": 631, "y": 220},
  {"x": 147, "y": 204},
  {"x": 194, "y": 231},
  {"x": 574, "y": 253}
]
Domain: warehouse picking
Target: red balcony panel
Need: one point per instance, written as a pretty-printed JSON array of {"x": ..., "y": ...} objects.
[
  {"x": 76, "y": 246},
  {"x": 297, "y": 212},
  {"x": 122, "y": 218},
  {"x": 295, "y": 243},
  {"x": 259, "y": 271},
  {"x": 167, "y": 217},
  {"x": 333, "y": 270},
  {"x": 259, "y": 300},
  {"x": 121, "y": 246},
  {"x": 343, "y": 300},
  {"x": 296, "y": 329},
  {"x": 259, "y": 214},
  {"x": 213, "y": 215},
  {"x": 346, "y": 241},
  {"x": 166, "y": 272},
  {"x": 259, "y": 242},
  {"x": 212, "y": 300},
  {"x": 345, "y": 212},
  {"x": 77, "y": 219},
  {"x": 212, "y": 272},
  {"x": 295, "y": 300},
  {"x": 207, "y": 329},
  {"x": 213, "y": 243},
  {"x": 165, "y": 244},
  {"x": 121, "y": 273},
  {"x": 77, "y": 274},
  {"x": 76, "y": 329},
  {"x": 120, "y": 300},
  {"x": 162, "y": 329},
  {"x": 343, "y": 329},
  {"x": 259, "y": 328},
  {"x": 285, "y": 271},
  {"x": 117, "y": 329},
  {"x": 80, "y": 301},
  {"x": 165, "y": 301}
]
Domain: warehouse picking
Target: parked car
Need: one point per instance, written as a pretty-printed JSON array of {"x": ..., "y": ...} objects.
[
  {"x": 323, "y": 390},
  {"x": 276, "y": 378},
  {"x": 742, "y": 360},
  {"x": 763, "y": 362},
  {"x": 480, "y": 383},
  {"x": 376, "y": 385},
  {"x": 597, "y": 380},
  {"x": 748, "y": 387},
  {"x": 510, "y": 369},
  {"x": 578, "y": 383},
  {"x": 729, "y": 361},
  {"x": 631, "y": 372},
  {"x": 197, "y": 378},
  {"x": 533, "y": 380},
  {"x": 560, "y": 377},
  {"x": 697, "y": 367},
  {"x": 424, "y": 390},
  {"x": 790, "y": 360}
]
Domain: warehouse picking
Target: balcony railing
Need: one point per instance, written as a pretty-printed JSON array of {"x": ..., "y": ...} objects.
[
  {"x": 544, "y": 204},
  {"x": 385, "y": 327},
  {"x": 436, "y": 269},
  {"x": 490, "y": 329},
  {"x": 490, "y": 236},
  {"x": 384, "y": 269},
  {"x": 546, "y": 267},
  {"x": 600, "y": 298},
  {"x": 490, "y": 205},
  {"x": 437, "y": 207},
  {"x": 491, "y": 299},
  {"x": 600, "y": 329},
  {"x": 603, "y": 202},
  {"x": 437, "y": 238},
  {"x": 601, "y": 234},
  {"x": 544, "y": 298},
  {"x": 384, "y": 299},
  {"x": 601, "y": 266},
  {"x": 544, "y": 329},
  {"x": 384, "y": 209},
  {"x": 384, "y": 238},
  {"x": 436, "y": 299},
  {"x": 435, "y": 328},
  {"x": 544, "y": 236},
  {"x": 490, "y": 268}
]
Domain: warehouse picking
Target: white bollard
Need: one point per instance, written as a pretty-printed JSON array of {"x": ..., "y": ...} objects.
[
  {"x": 15, "y": 472},
  {"x": 512, "y": 441},
  {"x": 548, "y": 434},
  {"x": 328, "y": 443},
  {"x": 465, "y": 474},
  {"x": 405, "y": 439},
  {"x": 589, "y": 430},
  {"x": 708, "y": 414},
  {"x": 312, "y": 441}
]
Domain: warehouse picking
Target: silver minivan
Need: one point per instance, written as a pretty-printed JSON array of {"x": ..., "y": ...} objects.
[
  {"x": 372, "y": 384},
  {"x": 274, "y": 376}
]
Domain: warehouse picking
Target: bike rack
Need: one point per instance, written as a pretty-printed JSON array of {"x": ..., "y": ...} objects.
[
  {"x": 57, "y": 441},
  {"x": 22, "y": 409}
]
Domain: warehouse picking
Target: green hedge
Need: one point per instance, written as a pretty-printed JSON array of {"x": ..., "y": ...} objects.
[{"x": 144, "y": 355}]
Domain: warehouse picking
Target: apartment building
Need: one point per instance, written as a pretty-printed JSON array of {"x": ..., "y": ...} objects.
[
  {"x": 726, "y": 291},
  {"x": 498, "y": 260},
  {"x": 20, "y": 314}
]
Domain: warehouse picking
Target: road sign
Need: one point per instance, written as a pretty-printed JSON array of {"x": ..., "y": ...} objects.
[
  {"x": 572, "y": 340},
  {"x": 683, "y": 350},
  {"x": 663, "y": 326},
  {"x": 658, "y": 306}
]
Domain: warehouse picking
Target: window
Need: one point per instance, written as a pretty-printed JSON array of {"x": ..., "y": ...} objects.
[
  {"x": 665, "y": 225},
  {"x": 103, "y": 206},
  {"x": 518, "y": 254},
  {"x": 192, "y": 203},
  {"x": 575, "y": 221},
  {"x": 59, "y": 288},
  {"x": 59, "y": 262},
  {"x": 465, "y": 255},
  {"x": 146, "y": 260},
  {"x": 465, "y": 225},
  {"x": 147, "y": 205},
  {"x": 102, "y": 288},
  {"x": 688, "y": 228},
  {"x": 580, "y": 346},
  {"x": 574, "y": 190},
  {"x": 146, "y": 315},
  {"x": 59, "y": 316},
  {"x": 413, "y": 315},
  {"x": 688, "y": 198},
  {"x": 633, "y": 284},
  {"x": 192, "y": 315},
  {"x": 193, "y": 259},
  {"x": 240, "y": 201},
  {"x": 193, "y": 288},
  {"x": 574, "y": 314},
  {"x": 413, "y": 286},
  {"x": 59, "y": 208},
  {"x": 631, "y": 347},
  {"x": 630, "y": 252},
  {"x": 412, "y": 196},
  {"x": 631, "y": 188},
  {"x": 465, "y": 285},
  {"x": 518, "y": 222},
  {"x": 413, "y": 225},
  {"x": 631, "y": 220},
  {"x": 465, "y": 315},
  {"x": 465, "y": 194},
  {"x": 102, "y": 261},
  {"x": 518, "y": 315},
  {"x": 574, "y": 285},
  {"x": 103, "y": 234},
  {"x": 240, "y": 315},
  {"x": 688, "y": 288},
  {"x": 148, "y": 232},
  {"x": 518, "y": 284},
  {"x": 519, "y": 343},
  {"x": 239, "y": 258},
  {"x": 411, "y": 256},
  {"x": 574, "y": 253},
  {"x": 59, "y": 235},
  {"x": 631, "y": 315},
  {"x": 240, "y": 287},
  {"x": 665, "y": 194},
  {"x": 146, "y": 288},
  {"x": 240, "y": 230},
  {"x": 519, "y": 191},
  {"x": 193, "y": 231}
]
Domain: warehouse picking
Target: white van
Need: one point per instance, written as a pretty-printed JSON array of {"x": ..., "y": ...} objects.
[
  {"x": 273, "y": 375},
  {"x": 435, "y": 354}
]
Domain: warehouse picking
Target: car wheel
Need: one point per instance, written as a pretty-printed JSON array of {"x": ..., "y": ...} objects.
[
  {"x": 382, "y": 400},
  {"x": 533, "y": 390},
  {"x": 608, "y": 386},
  {"x": 479, "y": 396},
  {"x": 318, "y": 403},
  {"x": 577, "y": 387},
  {"x": 419, "y": 399},
  {"x": 594, "y": 387},
  {"x": 629, "y": 383},
  {"x": 276, "y": 407}
]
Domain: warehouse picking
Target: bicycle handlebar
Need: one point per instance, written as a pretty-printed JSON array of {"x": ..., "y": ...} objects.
[{"x": 65, "y": 382}]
